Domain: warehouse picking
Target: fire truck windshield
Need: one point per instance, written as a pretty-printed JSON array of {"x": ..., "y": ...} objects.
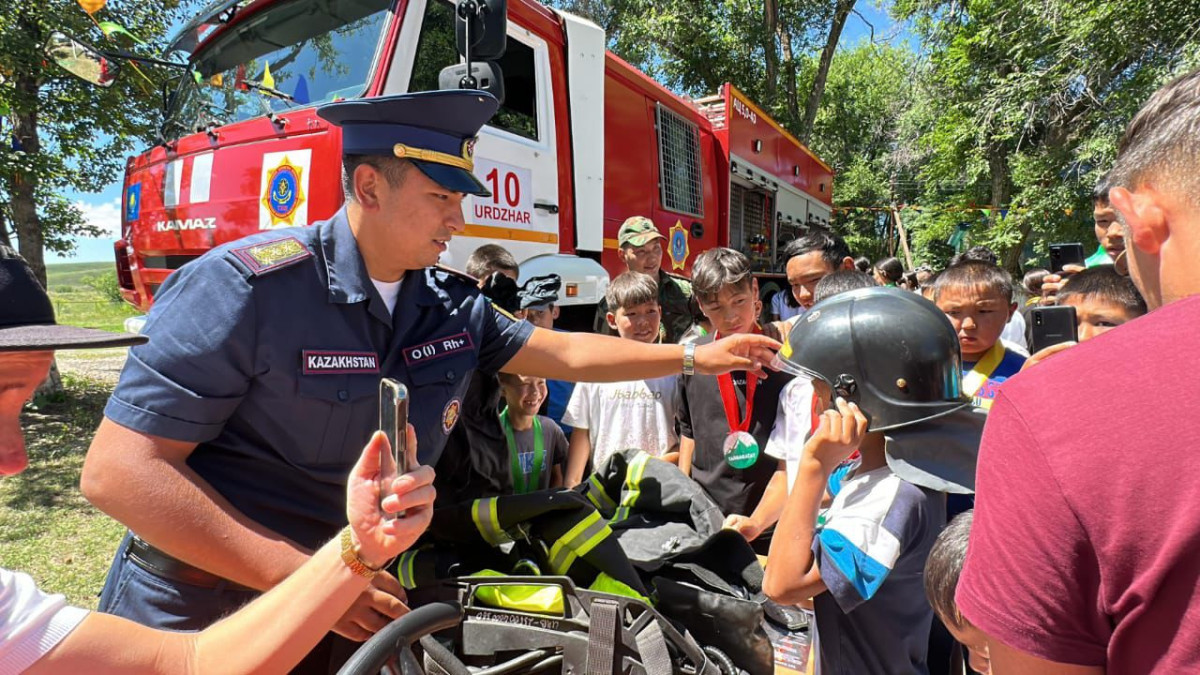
[{"x": 293, "y": 54}]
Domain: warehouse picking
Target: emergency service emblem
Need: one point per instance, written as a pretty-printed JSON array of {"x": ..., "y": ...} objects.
[
  {"x": 133, "y": 201},
  {"x": 679, "y": 246},
  {"x": 284, "y": 188},
  {"x": 450, "y": 415}
]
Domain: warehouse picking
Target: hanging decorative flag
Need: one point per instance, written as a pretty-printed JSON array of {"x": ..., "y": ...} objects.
[
  {"x": 92, "y": 6},
  {"x": 301, "y": 93},
  {"x": 987, "y": 213},
  {"x": 217, "y": 80},
  {"x": 1003, "y": 214},
  {"x": 239, "y": 78},
  {"x": 960, "y": 234},
  {"x": 268, "y": 80},
  {"x": 110, "y": 28},
  {"x": 1069, "y": 211},
  {"x": 196, "y": 76}
]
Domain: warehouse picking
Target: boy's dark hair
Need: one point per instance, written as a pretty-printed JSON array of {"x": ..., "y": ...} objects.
[
  {"x": 975, "y": 274},
  {"x": 1104, "y": 282},
  {"x": 840, "y": 282},
  {"x": 1100, "y": 193},
  {"x": 1033, "y": 280},
  {"x": 863, "y": 264},
  {"x": 944, "y": 566},
  {"x": 490, "y": 258},
  {"x": 1161, "y": 141},
  {"x": 717, "y": 268},
  {"x": 975, "y": 254},
  {"x": 630, "y": 289},
  {"x": 815, "y": 238},
  {"x": 891, "y": 269}
]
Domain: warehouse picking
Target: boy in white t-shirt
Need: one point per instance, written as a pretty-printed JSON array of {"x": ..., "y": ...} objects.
[{"x": 614, "y": 416}]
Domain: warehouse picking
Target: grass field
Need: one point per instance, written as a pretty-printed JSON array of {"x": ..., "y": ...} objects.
[
  {"x": 79, "y": 303},
  {"x": 47, "y": 528}
]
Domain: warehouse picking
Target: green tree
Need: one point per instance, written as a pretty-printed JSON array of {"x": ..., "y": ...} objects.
[
  {"x": 694, "y": 47},
  {"x": 62, "y": 134},
  {"x": 858, "y": 130},
  {"x": 1024, "y": 103}
]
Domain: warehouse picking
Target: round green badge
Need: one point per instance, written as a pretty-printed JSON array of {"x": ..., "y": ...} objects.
[{"x": 741, "y": 450}]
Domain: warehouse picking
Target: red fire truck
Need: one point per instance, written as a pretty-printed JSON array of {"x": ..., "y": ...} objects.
[{"x": 583, "y": 140}]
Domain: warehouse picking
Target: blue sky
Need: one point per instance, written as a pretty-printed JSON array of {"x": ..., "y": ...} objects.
[{"x": 103, "y": 208}]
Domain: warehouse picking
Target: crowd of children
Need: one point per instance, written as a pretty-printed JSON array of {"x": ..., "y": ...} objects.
[{"x": 795, "y": 465}]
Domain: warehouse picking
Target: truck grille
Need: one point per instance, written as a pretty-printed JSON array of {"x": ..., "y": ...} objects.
[
  {"x": 681, "y": 184},
  {"x": 166, "y": 262}
]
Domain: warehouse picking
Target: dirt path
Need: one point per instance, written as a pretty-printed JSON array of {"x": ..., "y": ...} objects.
[{"x": 100, "y": 365}]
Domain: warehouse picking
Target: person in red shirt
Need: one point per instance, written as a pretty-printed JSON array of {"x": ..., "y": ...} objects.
[{"x": 1085, "y": 552}]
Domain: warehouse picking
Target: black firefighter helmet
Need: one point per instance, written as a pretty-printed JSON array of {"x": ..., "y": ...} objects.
[{"x": 891, "y": 351}]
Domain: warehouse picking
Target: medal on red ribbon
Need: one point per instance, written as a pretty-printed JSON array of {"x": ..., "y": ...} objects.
[{"x": 740, "y": 447}]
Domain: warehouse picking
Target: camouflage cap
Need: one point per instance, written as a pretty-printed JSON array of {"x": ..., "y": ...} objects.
[{"x": 638, "y": 231}]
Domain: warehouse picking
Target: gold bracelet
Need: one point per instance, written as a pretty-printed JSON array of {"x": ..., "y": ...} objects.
[{"x": 353, "y": 561}]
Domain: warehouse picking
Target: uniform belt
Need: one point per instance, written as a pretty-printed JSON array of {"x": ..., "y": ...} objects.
[{"x": 160, "y": 564}]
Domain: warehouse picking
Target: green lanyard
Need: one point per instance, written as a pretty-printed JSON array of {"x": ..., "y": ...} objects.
[{"x": 514, "y": 460}]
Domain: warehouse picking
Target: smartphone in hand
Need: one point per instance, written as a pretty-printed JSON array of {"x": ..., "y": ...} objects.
[
  {"x": 1049, "y": 326},
  {"x": 393, "y": 422},
  {"x": 1062, "y": 255}
]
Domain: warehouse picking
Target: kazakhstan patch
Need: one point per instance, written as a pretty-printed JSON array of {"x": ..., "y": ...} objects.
[{"x": 272, "y": 255}]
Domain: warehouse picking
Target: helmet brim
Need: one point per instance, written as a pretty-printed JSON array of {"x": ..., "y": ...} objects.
[{"x": 938, "y": 453}]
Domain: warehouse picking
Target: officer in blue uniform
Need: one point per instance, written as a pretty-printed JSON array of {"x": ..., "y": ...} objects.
[
  {"x": 266, "y": 360},
  {"x": 227, "y": 442}
]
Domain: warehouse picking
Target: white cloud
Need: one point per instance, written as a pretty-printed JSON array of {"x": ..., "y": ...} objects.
[{"x": 105, "y": 215}]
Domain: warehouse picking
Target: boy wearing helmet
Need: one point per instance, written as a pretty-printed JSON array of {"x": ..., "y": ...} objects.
[{"x": 886, "y": 373}]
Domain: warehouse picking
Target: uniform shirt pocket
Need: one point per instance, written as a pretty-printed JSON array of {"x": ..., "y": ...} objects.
[
  {"x": 451, "y": 371},
  {"x": 341, "y": 411}
]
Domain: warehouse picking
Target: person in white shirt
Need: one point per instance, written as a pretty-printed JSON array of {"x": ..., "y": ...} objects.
[
  {"x": 784, "y": 305},
  {"x": 41, "y": 633},
  {"x": 614, "y": 416}
]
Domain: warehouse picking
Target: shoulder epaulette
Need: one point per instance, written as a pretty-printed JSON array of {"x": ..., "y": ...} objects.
[{"x": 268, "y": 256}]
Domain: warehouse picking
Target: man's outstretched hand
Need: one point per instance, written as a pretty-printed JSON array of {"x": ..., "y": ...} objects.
[{"x": 749, "y": 352}]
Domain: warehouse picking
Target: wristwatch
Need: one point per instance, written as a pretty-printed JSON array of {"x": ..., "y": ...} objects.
[
  {"x": 353, "y": 561},
  {"x": 689, "y": 358}
]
